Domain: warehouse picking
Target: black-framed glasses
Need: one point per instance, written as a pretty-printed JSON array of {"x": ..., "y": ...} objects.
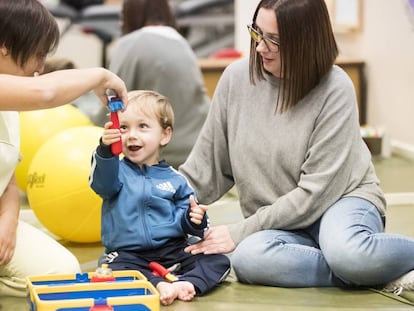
[{"x": 271, "y": 44}]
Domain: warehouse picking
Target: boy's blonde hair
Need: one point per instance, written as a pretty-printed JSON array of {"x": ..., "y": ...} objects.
[{"x": 153, "y": 104}]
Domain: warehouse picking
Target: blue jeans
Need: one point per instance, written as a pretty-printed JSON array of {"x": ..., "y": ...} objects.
[{"x": 346, "y": 247}]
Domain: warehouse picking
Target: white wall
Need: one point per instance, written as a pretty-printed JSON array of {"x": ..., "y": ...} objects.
[
  {"x": 386, "y": 44},
  {"x": 243, "y": 11}
]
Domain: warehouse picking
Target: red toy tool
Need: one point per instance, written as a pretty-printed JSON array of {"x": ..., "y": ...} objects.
[
  {"x": 115, "y": 104},
  {"x": 160, "y": 270}
]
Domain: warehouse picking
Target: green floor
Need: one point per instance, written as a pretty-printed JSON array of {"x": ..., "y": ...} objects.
[{"x": 396, "y": 175}]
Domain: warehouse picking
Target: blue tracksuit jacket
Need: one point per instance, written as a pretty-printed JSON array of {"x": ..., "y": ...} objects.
[{"x": 144, "y": 207}]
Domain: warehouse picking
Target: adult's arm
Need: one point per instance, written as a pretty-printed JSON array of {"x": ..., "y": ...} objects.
[
  {"x": 57, "y": 88},
  {"x": 9, "y": 214}
]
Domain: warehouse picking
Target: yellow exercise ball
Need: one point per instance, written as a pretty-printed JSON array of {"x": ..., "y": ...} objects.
[
  {"x": 58, "y": 189},
  {"x": 36, "y": 127}
]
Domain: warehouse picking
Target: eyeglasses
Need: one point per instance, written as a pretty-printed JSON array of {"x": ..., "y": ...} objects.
[{"x": 271, "y": 44}]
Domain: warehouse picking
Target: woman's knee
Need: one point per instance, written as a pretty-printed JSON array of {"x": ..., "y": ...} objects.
[
  {"x": 253, "y": 248},
  {"x": 246, "y": 257},
  {"x": 348, "y": 244},
  {"x": 353, "y": 265},
  {"x": 255, "y": 254}
]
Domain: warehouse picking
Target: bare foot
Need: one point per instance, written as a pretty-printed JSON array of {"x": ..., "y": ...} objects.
[
  {"x": 167, "y": 293},
  {"x": 185, "y": 290},
  {"x": 182, "y": 290}
]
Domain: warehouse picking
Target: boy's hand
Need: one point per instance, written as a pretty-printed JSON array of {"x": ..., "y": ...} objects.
[
  {"x": 196, "y": 211},
  {"x": 109, "y": 135}
]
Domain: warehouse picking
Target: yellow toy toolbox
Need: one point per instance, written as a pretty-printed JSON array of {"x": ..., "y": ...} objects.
[
  {"x": 87, "y": 277},
  {"x": 127, "y": 290}
]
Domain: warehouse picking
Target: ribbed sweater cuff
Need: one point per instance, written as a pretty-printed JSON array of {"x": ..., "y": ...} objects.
[{"x": 244, "y": 228}]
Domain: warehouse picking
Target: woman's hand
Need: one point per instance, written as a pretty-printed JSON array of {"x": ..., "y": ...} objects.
[
  {"x": 7, "y": 239},
  {"x": 114, "y": 83},
  {"x": 217, "y": 240},
  {"x": 9, "y": 214}
]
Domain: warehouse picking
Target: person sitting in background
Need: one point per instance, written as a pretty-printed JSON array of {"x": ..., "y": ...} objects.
[
  {"x": 152, "y": 55},
  {"x": 25, "y": 250},
  {"x": 148, "y": 208}
]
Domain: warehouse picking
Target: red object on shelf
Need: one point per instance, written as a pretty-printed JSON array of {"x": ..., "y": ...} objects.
[{"x": 226, "y": 53}]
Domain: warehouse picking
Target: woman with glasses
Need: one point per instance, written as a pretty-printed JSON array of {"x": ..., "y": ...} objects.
[
  {"x": 25, "y": 250},
  {"x": 283, "y": 128}
]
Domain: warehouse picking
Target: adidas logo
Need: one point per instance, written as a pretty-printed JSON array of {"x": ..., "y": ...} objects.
[
  {"x": 111, "y": 257},
  {"x": 166, "y": 186}
]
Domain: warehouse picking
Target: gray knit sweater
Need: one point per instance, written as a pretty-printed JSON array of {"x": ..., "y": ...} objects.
[
  {"x": 158, "y": 58},
  {"x": 288, "y": 168}
]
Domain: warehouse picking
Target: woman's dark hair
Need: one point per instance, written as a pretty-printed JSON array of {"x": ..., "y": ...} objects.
[
  {"x": 307, "y": 47},
  {"x": 27, "y": 29},
  {"x": 139, "y": 13}
]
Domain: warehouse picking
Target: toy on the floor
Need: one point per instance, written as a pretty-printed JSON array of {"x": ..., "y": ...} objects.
[
  {"x": 159, "y": 270},
  {"x": 37, "y": 126},
  {"x": 115, "y": 105},
  {"x": 103, "y": 274},
  {"x": 59, "y": 192},
  {"x": 126, "y": 290}
]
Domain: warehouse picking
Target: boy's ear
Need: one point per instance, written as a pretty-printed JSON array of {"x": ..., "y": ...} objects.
[{"x": 166, "y": 136}]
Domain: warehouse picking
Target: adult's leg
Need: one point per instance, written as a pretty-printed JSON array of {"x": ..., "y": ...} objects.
[
  {"x": 282, "y": 258},
  {"x": 353, "y": 241},
  {"x": 36, "y": 253}
]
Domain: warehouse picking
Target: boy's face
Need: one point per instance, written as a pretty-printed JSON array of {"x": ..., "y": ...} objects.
[{"x": 142, "y": 136}]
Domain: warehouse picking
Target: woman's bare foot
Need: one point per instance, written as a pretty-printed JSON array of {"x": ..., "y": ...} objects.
[{"x": 182, "y": 290}]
